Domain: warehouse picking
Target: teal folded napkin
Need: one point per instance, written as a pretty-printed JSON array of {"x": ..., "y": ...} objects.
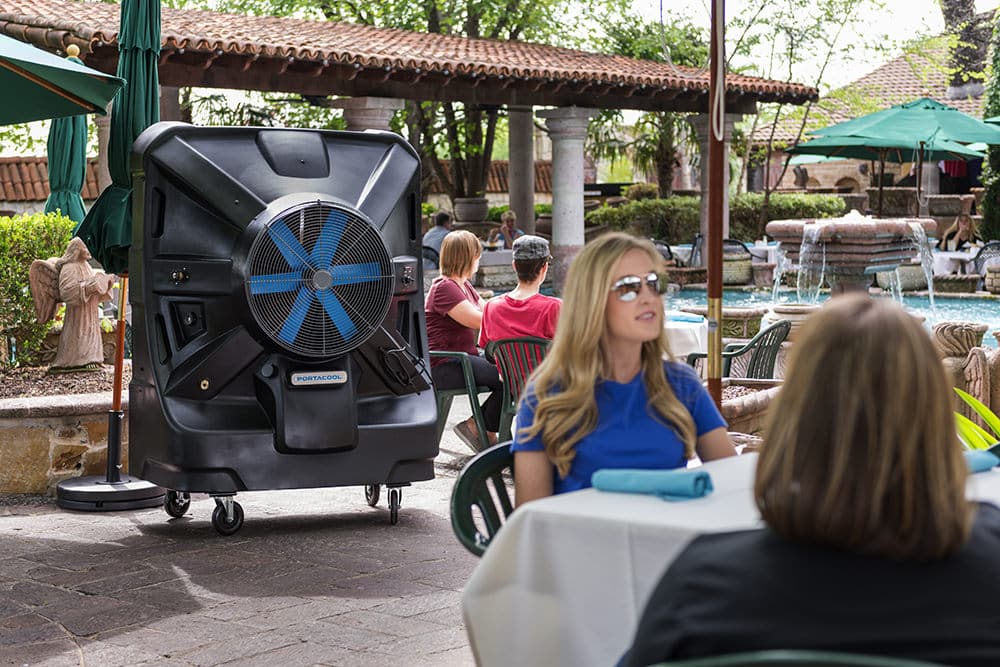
[
  {"x": 980, "y": 460},
  {"x": 684, "y": 317},
  {"x": 677, "y": 484}
]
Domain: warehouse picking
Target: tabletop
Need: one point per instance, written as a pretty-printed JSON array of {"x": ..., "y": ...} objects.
[
  {"x": 686, "y": 333},
  {"x": 952, "y": 261},
  {"x": 566, "y": 579}
]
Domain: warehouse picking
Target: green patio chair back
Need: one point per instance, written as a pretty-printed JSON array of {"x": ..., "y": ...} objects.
[
  {"x": 516, "y": 358},
  {"x": 482, "y": 490},
  {"x": 763, "y": 349},
  {"x": 797, "y": 658},
  {"x": 444, "y": 397}
]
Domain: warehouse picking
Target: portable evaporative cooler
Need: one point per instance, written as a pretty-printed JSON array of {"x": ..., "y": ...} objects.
[{"x": 277, "y": 308}]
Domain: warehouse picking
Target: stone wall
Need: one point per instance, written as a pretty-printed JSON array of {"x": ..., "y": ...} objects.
[{"x": 46, "y": 439}]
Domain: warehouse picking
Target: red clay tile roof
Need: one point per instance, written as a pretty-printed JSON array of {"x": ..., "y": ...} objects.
[
  {"x": 310, "y": 47},
  {"x": 497, "y": 178},
  {"x": 25, "y": 179},
  {"x": 903, "y": 79}
]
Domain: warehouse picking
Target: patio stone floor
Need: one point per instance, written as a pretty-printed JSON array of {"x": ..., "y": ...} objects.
[{"x": 314, "y": 577}]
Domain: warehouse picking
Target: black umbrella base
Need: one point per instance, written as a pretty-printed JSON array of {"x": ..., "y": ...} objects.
[{"x": 96, "y": 494}]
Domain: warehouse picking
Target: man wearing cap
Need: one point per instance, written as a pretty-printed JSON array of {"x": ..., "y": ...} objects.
[{"x": 523, "y": 311}]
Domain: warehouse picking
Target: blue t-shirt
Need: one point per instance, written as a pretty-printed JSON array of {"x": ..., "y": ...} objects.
[{"x": 627, "y": 435}]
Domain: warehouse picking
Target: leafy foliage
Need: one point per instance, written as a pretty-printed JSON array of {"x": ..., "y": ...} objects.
[
  {"x": 972, "y": 435},
  {"x": 653, "y": 140},
  {"x": 991, "y": 167},
  {"x": 23, "y": 239},
  {"x": 497, "y": 211},
  {"x": 676, "y": 219},
  {"x": 638, "y": 191}
]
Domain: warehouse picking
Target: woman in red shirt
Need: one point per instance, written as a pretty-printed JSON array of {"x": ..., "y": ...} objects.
[{"x": 454, "y": 313}]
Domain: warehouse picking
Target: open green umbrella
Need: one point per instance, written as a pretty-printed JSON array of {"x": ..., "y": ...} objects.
[
  {"x": 38, "y": 85},
  {"x": 107, "y": 229},
  {"x": 919, "y": 120},
  {"x": 67, "y": 161},
  {"x": 889, "y": 148}
]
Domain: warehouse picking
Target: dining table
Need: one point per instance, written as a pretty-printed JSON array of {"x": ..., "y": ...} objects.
[
  {"x": 565, "y": 580},
  {"x": 686, "y": 333},
  {"x": 953, "y": 261}
]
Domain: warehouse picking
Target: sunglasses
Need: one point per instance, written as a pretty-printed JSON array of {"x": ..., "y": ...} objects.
[{"x": 627, "y": 288}]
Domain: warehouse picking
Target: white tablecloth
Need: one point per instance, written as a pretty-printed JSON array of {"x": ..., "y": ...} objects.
[
  {"x": 952, "y": 262},
  {"x": 566, "y": 579},
  {"x": 686, "y": 337}
]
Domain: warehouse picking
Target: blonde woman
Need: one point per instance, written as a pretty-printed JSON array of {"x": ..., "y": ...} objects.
[
  {"x": 870, "y": 544},
  {"x": 454, "y": 312},
  {"x": 507, "y": 232},
  {"x": 606, "y": 395},
  {"x": 961, "y": 235}
]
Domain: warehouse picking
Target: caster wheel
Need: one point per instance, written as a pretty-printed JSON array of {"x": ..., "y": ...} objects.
[
  {"x": 395, "y": 499},
  {"x": 372, "y": 493},
  {"x": 177, "y": 503},
  {"x": 227, "y": 525}
]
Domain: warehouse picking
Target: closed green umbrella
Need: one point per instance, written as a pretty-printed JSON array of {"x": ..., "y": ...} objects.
[
  {"x": 37, "y": 85},
  {"x": 107, "y": 229},
  {"x": 67, "y": 161}
]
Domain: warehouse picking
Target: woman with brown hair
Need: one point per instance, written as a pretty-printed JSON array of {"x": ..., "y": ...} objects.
[
  {"x": 962, "y": 234},
  {"x": 454, "y": 312},
  {"x": 608, "y": 394},
  {"x": 870, "y": 545}
]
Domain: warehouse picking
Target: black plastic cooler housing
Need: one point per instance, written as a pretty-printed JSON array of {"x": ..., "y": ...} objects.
[{"x": 212, "y": 403}]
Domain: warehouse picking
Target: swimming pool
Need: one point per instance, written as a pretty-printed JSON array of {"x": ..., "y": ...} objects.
[{"x": 970, "y": 309}]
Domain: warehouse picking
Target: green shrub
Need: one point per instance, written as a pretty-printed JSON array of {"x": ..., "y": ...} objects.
[
  {"x": 677, "y": 219},
  {"x": 497, "y": 211},
  {"x": 639, "y": 191},
  {"x": 23, "y": 239},
  {"x": 427, "y": 208},
  {"x": 744, "y": 211}
]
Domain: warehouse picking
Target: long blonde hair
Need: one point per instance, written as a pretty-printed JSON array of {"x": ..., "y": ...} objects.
[
  {"x": 861, "y": 451},
  {"x": 564, "y": 383}
]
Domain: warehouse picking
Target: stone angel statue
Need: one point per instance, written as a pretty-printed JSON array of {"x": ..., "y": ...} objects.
[{"x": 70, "y": 279}]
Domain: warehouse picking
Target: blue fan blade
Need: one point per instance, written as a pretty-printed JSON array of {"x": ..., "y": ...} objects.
[
  {"x": 274, "y": 283},
  {"x": 288, "y": 245},
  {"x": 351, "y": 274},
  {"x": 329, "y": 239},
  {"x": 290, "y": 330},
  {"x": 337, "y": 314}
]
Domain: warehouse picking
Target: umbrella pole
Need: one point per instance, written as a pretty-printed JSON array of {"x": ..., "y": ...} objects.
[
  {"x": 113, "y": 491},
  {"x": 881, "y": 178},
  {"x": 920, "y": 176},
  {"x": 716, "y": 191}
]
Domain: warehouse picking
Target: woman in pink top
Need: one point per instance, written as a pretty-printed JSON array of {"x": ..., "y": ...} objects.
[{"x": 454, "y": 313}]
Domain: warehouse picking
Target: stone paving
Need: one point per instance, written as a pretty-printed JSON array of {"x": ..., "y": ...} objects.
[{"x": 314, "y": 577}]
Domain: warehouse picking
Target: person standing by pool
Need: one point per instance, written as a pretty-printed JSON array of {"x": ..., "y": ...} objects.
[{"x": 604, "y": 397}]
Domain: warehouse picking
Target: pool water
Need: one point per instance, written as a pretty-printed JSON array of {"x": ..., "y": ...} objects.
[{"x": 982, "y": 310}]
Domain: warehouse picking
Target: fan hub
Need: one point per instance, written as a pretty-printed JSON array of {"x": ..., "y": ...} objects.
[{"x": 322, "y": 280}]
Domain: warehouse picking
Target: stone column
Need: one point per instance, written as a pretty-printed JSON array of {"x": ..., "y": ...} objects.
[
  {"x": 567, "y": 129},
  {"x": 701, "y": 128},
  {"x": 170, "y": 103},
  {"x": 521, "y": 167},
  {"x": 368, "y": 113}
]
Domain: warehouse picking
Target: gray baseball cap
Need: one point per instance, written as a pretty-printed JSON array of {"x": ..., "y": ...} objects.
[{"x": 530, "y": 247}]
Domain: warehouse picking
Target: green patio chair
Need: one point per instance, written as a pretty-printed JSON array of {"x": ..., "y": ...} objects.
[
  {"x": 444, "y": 397},
  {"x": 472, "y": 492},
  {"x": 516, "y": 358},
  {"x": 797, "y": 658},
  {"x": 763, "y": 349}
]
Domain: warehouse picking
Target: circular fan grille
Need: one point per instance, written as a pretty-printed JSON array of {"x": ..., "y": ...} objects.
[{"x": 319, "y": 279}]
